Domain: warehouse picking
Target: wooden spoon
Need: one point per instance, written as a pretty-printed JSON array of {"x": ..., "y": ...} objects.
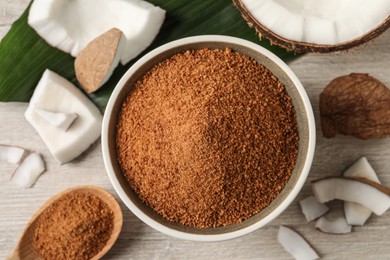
[{"x": 24, "y": 248}]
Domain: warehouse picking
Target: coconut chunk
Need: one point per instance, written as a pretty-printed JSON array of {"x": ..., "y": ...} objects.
[
  {"x": 337, "y": 226},
  {"x": 70, "y": 25},
  {"x": 96, "y": 62},
  {"x": 11, "y": 154},
  {"x": 312, "y": 209},
  {"x": 57, "y": 119},
  {"x": 362, "y": 191},
  {"x": 357, "y": 214},
  {"x": 29, "y": 170},
  {"x": 317, "y": 26},
  {"x": 295, "y": 244},
  {"x": 55, "y": 93}
]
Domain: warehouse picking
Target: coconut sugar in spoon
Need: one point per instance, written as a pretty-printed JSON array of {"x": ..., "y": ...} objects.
[{"x": 25, "y": 249}]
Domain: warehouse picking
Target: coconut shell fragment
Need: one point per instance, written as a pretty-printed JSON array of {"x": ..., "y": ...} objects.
[
  {"x": 357, "y": 105},
  {"x": 96, "y": 62}
]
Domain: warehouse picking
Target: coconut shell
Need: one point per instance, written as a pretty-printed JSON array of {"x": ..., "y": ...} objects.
[{"x": 301, "y": 47}]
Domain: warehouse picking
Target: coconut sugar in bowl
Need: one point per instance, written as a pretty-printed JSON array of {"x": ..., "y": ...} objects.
[{"x": 208, "y": 138}]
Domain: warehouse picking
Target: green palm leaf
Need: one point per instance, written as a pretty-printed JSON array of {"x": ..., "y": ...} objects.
[{"x": 24, "y": 55}]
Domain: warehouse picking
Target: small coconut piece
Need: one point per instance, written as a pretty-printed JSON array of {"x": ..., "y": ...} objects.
[
  {"x": 70, "y": 25},
  {"x": 357, "y": 214},
  {"x": 29, "y": 170},
  {"x": 312, "y": 209},
  {"x": 57, "y": 119},
  {"x": 96, "y": 62},
  {"x": 359, "y": 190},
  {"x": 55, "y": 93},
  {"x": 357, "y": 105},
  {"x": 295, "y": 244},
  {"x": 317, "y": 26},
  {"x": 11, "y": 154},
  {"x": 337, "y": 226}
]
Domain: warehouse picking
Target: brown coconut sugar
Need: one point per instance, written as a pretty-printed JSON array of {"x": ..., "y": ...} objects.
[
  {"x": 207, "y": 138},
  {"x": 77, "y": 226}
]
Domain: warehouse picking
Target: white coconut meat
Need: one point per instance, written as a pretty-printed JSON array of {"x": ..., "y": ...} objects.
[
  {"x": 70, "y": 25},
  {"x": 295, "y": 244},
  {"x": 312, "y": 209},
  {"x": 373, "y": 197},
  {"x": 357, "y": 214},
  {"x": 11, "y": 154},
  {"x": 337, "y": 226},
  {"x": 323, "y": 22},
  {"x": 29, "y": 170},
  {"x": 55, "y": 93},
  {"x": 58, "y": 119}
]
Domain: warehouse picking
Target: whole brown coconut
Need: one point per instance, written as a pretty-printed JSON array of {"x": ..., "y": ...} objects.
[{"x": 357, "y": 105}]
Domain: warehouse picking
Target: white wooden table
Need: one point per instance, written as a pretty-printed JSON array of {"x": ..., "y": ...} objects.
[{"x": 138, "y": 241}]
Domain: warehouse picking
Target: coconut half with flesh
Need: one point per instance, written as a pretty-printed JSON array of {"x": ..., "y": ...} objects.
[{"x": 317, "y": 26}]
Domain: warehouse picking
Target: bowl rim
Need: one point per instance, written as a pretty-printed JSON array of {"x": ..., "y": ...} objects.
[{"x": 236, "y": 233}]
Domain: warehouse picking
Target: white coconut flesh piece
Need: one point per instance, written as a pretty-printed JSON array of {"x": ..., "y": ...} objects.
[
  {"x": 295, "y": 244},
  {"x": 312, "y": 209},
  {"x": 95, "y": 64},
  {"x": 55, "y": 93},
  {"x": 321, "y": 25},
  {"x": 57, "y": 119},
  {"x": 11, "y": 154},
  {"x": 29, "y": 170},
  {"x": 357, "y": 214},
  {"x": 70, "y": 25},
  {"x": 362, "y": 191},
  {"x": 337, "y": 226}
]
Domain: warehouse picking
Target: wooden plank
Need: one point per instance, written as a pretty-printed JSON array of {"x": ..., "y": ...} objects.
[{"x": 138, "y": 241}]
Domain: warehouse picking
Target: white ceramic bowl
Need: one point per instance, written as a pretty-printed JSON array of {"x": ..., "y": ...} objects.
[{"x": 306, "y": 128}]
